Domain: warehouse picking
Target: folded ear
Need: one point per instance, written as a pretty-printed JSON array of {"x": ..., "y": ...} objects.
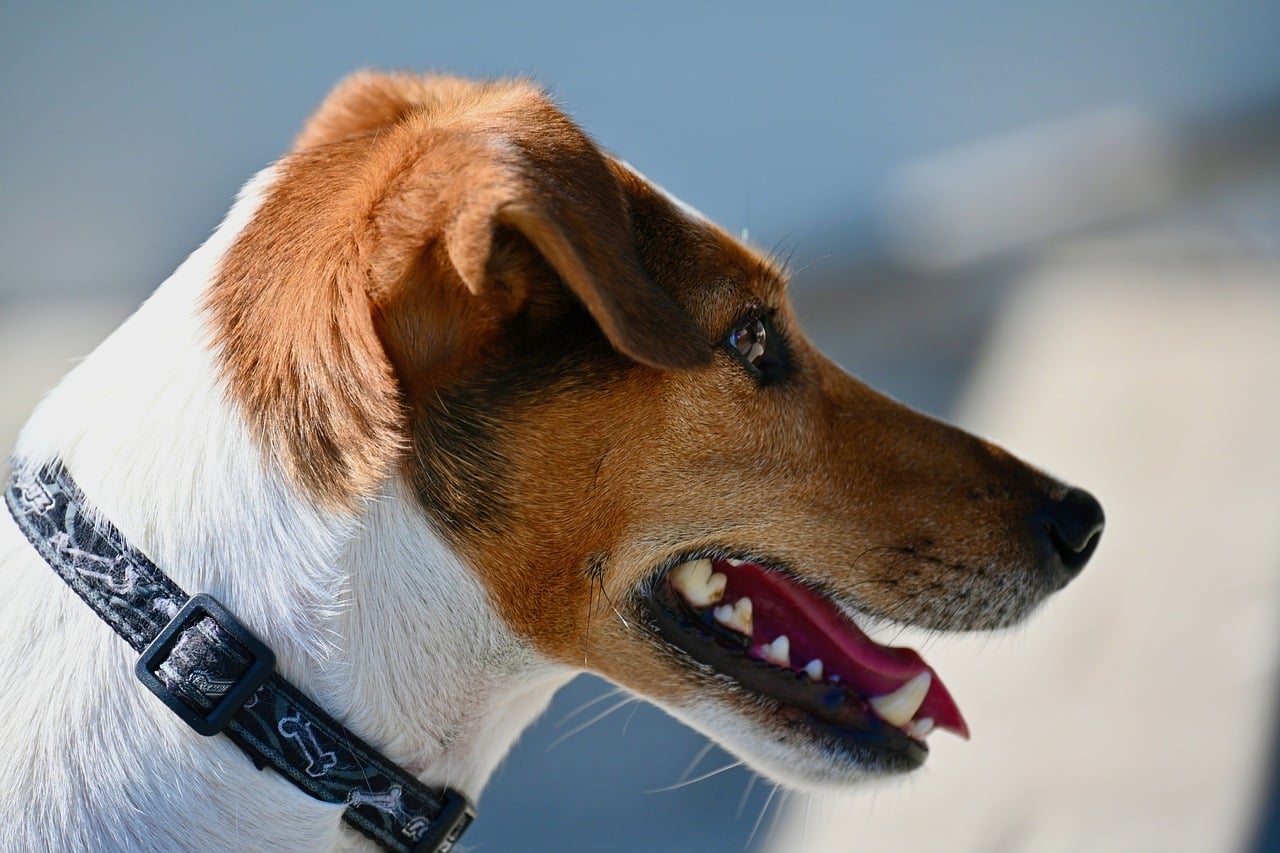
[
  {"x": 340, "y": 299},
  {"x": 577, "y": 221},
  {"x": 562, "y": 198},
  {"x": 524, "y": 167}
]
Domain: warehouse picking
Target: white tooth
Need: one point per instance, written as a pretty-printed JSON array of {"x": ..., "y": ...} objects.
[
  {"x": 921, "y": 727},
  {"x": 736, "y": 616},
  {"x": 734, "y": 561},
  {"x": 779, "y": 651},
  {"x": 814, "y": 668},
  {"x": 901, "y": 705},
  {"x": 696, "y": 582}
]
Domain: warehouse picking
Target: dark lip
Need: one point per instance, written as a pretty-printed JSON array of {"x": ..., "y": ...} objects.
[{"x": 825, "y": 712}]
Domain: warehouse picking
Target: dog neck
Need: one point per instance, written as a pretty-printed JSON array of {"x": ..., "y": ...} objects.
[{"x": 369, "y": 613}]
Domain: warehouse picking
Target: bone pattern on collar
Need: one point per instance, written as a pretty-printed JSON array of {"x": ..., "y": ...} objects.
[{"x": 278, "y": 725}]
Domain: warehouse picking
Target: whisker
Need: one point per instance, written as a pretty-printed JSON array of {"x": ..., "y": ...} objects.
[
  {"x": 811, "y": 263},
  {"x": 616, "y": 612},
  {"x": 702, "y": 753},
  {"x": 777, "y": 815},
  {"x": 804, "y": 827},
  {"x": 608, "y": 694},
  {"x": 597, "y": 718},
  {"x": 742, "y": 803},
  {"x": 591, "y": 606},
  {"x": 630, "y": 717},
  {"x": 763, "y": 812},
  {"x": 781, "y": 254},
  {"x": 696, "y": 779}
]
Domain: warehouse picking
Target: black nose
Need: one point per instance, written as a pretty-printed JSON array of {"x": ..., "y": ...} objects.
[{"x": 1071, "y": 527}]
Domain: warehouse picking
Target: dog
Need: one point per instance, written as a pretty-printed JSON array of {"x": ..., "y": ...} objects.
[{"x": 453, "y": 406}]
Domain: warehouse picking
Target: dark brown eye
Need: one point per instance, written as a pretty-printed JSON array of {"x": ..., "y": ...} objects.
[{"x": 750, "y": 340}]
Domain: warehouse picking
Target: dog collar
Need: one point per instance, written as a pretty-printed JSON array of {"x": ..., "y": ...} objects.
[{"x": 219, "y": 678}]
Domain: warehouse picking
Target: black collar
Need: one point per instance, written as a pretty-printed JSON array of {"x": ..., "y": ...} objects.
[{"x": 210, "y": 670}]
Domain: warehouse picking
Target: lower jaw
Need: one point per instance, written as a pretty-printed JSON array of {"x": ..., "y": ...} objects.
[{"x": 822, "y": 715}]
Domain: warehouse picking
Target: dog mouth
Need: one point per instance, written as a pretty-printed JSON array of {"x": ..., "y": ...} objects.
[{"x": 785, "y": 642}]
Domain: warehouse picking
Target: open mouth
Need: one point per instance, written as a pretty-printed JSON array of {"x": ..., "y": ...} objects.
[{"x": 783, "y": 641}]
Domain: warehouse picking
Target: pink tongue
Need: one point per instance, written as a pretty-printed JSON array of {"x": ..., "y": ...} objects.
[{"x": 816, "y": 629}]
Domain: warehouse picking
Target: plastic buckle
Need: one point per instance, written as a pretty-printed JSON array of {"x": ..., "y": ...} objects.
[
  {"x": 454, "y": 818},
  {"x": 198, "y": 607}
]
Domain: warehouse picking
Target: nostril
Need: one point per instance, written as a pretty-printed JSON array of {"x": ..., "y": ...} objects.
[{"x": 1073, "y": 525}]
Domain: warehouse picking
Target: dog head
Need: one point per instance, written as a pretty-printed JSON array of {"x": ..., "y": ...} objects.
[{"x": 606, "y": 407}]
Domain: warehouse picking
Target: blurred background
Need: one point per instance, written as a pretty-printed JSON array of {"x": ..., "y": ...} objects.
[{"x": 1057, "y": 223}]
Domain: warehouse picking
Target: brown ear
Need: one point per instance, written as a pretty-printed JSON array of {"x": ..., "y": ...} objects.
[
  {"x": 340, "y": 293},
  {"x": 524, "y": 167},
  {"x": 501, "y": 155},
  {"x": 368, "y": 100},
  {"x": 550, "y": 183},
  {"x": 574, "y": 215}
]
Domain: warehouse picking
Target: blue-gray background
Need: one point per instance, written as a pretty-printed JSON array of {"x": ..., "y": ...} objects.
[{"x": 127, "y": 128}]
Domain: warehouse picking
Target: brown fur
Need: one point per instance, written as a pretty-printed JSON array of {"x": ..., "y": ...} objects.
[
  {"x": 408, "y": 228},
  {"x": 451, "y": 278}
]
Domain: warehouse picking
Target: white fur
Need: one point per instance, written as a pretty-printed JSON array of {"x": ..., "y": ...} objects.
[{"x": 373, "y": 615}]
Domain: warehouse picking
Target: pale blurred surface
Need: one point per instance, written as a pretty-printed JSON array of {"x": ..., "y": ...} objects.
[{"x": 1135, "y": 712}]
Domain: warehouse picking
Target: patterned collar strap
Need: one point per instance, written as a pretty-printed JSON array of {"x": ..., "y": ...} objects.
[{"x": 210, "y": 670}]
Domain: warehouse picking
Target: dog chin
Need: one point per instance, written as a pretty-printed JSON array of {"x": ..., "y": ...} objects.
[{"x": 787, "y": 751}]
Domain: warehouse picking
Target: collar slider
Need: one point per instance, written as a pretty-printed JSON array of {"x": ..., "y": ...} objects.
[{"x": 205, "y": 665}]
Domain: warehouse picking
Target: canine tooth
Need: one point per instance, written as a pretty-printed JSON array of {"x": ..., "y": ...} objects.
[
  {"x": 921, "y": 727},
  {"x": 779, "y": 651},
  {"x": 814, "y": 669},
  {"x": 697, "y": 583},
  {"x": 736, "y": 616},
  {"x": 898, "y": 707},
  {"x": 715, "y": 587}
]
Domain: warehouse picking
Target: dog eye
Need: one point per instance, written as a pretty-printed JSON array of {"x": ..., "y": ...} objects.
[{"x": 750, "y": 340}]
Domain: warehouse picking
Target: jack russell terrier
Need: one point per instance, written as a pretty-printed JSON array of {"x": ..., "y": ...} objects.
[{"x": 451, "y": 407}]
